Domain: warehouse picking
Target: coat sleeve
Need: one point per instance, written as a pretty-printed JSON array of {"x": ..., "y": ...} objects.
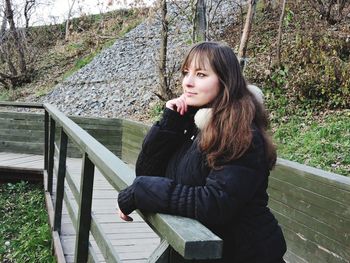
[
  {"x": 216, "y": 202},
  {"x": 162, "y": 140}
]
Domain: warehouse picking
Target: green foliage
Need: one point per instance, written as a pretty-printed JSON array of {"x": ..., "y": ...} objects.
[
  {"x": 156, "y": 110},
  {"x": 304, "y": 135},
  {"x": 24, "y": 231},
  {"x": 279, "y": 78},
  {"x": 129, "y": 26},
  {"x": 288, "y": 17},
  {"x": 322, "y": 141},
  {"x": 320, "y": 69},
  {"x": 4, "y": 95},
  {"x": 84, "y": 61}
]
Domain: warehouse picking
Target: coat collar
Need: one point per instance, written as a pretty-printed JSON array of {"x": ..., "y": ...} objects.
[{"x": 202, "y": 116}]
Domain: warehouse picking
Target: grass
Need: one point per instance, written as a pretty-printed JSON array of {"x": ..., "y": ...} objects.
[
  {"x": 309, "y": 136},
  {"x": 24, "y": 230},
  {"x": 319, "y": 142}
]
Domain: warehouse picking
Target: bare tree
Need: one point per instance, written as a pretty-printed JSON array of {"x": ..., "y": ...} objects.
[
  {"x": 28, "y": 8},
  {"x": 279, "y": 38},
  {"x": 165, "y": 92},
  {"x": 199, "y": 22},
  {"x": 16, "y": 55},
  {"x": 70, "y": 5},
  {"x": 3, "y": 27},
  {"x": 16, "y": 37},
  {"x": 246, "y": 32}
]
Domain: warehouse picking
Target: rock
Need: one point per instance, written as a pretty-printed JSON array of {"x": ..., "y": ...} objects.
[{"x": 121, "y": 80}]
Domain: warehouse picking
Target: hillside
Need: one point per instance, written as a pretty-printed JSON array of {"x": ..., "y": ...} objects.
[{"x": 108, "y": 69}]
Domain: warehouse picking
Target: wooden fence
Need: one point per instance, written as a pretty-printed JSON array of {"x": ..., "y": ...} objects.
[
  {"x": 311, "y": 205},
  {"x": 177, "y": 243}
]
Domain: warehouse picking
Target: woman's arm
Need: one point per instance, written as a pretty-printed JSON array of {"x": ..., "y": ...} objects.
[
  {"x": 164, "y": 138},
  {"x": 217, "y": 202}
]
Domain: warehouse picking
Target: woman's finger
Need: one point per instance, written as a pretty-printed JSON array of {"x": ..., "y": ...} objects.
[
  {"x": 183, "y": 104},
  {"x": 178, "y": 104},
  {"x": 125, "y": 217}
]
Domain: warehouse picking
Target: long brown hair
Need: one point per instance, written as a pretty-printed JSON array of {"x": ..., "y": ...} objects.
[{"x": 229, "y": 133}]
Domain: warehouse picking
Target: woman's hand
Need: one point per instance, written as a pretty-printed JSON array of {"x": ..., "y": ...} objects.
[
  {"x": 178, "y": 104},
  {"x": 124, "y": 217}
]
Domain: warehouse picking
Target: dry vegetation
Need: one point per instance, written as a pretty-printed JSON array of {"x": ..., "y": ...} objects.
[{"x": 56, "y": 58}]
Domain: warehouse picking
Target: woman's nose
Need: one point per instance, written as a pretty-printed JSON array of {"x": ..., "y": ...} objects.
[{"x": 188, "y": 81}]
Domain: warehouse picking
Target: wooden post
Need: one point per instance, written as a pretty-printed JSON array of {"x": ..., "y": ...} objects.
[
  {"x": 84, "y": 214},
  {"x": 51, "y": 155},
  {"x": 60, "y": 181},
  {"x": 46, "y": 143}
]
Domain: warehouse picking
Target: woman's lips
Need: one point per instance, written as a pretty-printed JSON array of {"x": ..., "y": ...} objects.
[{"x": 190, "y": 94}]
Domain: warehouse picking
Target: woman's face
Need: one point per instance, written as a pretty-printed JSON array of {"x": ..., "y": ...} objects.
[{"x": 200, "y": 84}]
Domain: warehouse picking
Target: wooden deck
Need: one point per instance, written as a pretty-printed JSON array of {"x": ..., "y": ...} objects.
[{"x": 133, "y": 241}]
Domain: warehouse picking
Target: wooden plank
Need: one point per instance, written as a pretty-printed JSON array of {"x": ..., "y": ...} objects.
[
  {"x": 22, "y": 125},
  {"x": 7, "y": 156},
  {"x": 46, "y": 143},
  {"x": 20, "y": 160},
  {"x": 21, "y": 147},
  {"x": 338, "y": 181},
  {"x": 131, "y": 144},
  {"x": 107, "y": 129},
  {"x": 132, "y": 125},
  {"x": 21, "y": 104},
  {"x": 51, "y": 154},
  {"x": 290, "y": 257},
  {"x": 31, "y": 134},
  {"x": 313, "y": 184},
  {"x": 21, "y": 115},
  {"x": 92, "y": 256},
  {"x": 308, "y": 250},
  {"x": 103, "y": 242},
  {"x": 129, "y": 156},
  {"x": 312, "y": 222},
  {"x": 328, "y": 204},
  {"x": 337, "y": 222},
  {"x": 328, "y": 247},
  {"x": 101, "y": 121},
  {"x": 84, "y": 212},
  {"x": 186, "y": 236},
  {"x": 60, "y": 181},
  {"x": 26, "y": 137},
  {"x": 112, "y": 218}
]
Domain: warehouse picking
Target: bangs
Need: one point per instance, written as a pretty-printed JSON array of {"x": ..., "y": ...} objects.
[{"x": 199, "y": 57}]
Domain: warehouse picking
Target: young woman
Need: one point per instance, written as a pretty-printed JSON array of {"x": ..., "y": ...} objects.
[{"x": 216, "y": 171}]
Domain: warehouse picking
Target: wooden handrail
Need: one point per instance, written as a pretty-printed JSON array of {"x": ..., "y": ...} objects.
[
  {"x": 173, "y": 229},
  {"x": 21, "y": 104}
]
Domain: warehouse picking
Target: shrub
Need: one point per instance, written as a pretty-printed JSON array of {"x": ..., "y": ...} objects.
[{"x": 319, "y": 70}]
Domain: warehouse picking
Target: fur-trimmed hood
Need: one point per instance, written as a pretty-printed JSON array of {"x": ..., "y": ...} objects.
[{"x": 203, "y": 116}]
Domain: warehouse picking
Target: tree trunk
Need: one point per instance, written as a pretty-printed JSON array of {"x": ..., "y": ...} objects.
[
  {"x": 279, "y": 38},
  {"x": 21, "y": 58},
  {"x": 246, "y": 32},
  {"x": 200, "y": 21},
  {"x": 27, "y": 7},
  {"x": 3, "y": 28},
  {"x": 68, "y": 19},
  {"x": 162, "y": 64}
]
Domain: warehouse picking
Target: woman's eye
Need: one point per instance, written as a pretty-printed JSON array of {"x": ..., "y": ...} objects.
[
  {"x": 201, "y": 75},
  {"x": 184, "y": 72}
]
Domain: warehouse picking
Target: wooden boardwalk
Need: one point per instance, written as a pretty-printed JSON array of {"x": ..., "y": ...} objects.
[{"x": 133, "y": 241}]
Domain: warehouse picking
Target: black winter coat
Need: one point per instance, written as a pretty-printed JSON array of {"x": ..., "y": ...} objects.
[{"x": 173, "y": 178}]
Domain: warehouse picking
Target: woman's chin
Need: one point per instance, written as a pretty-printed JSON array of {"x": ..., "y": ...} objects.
[{"x": 194, "y": 104}]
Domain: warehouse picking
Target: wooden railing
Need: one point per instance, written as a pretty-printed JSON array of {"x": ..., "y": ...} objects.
[
  {"x": 311, "y": 205},
  {"x": 177, "y": 245}
]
